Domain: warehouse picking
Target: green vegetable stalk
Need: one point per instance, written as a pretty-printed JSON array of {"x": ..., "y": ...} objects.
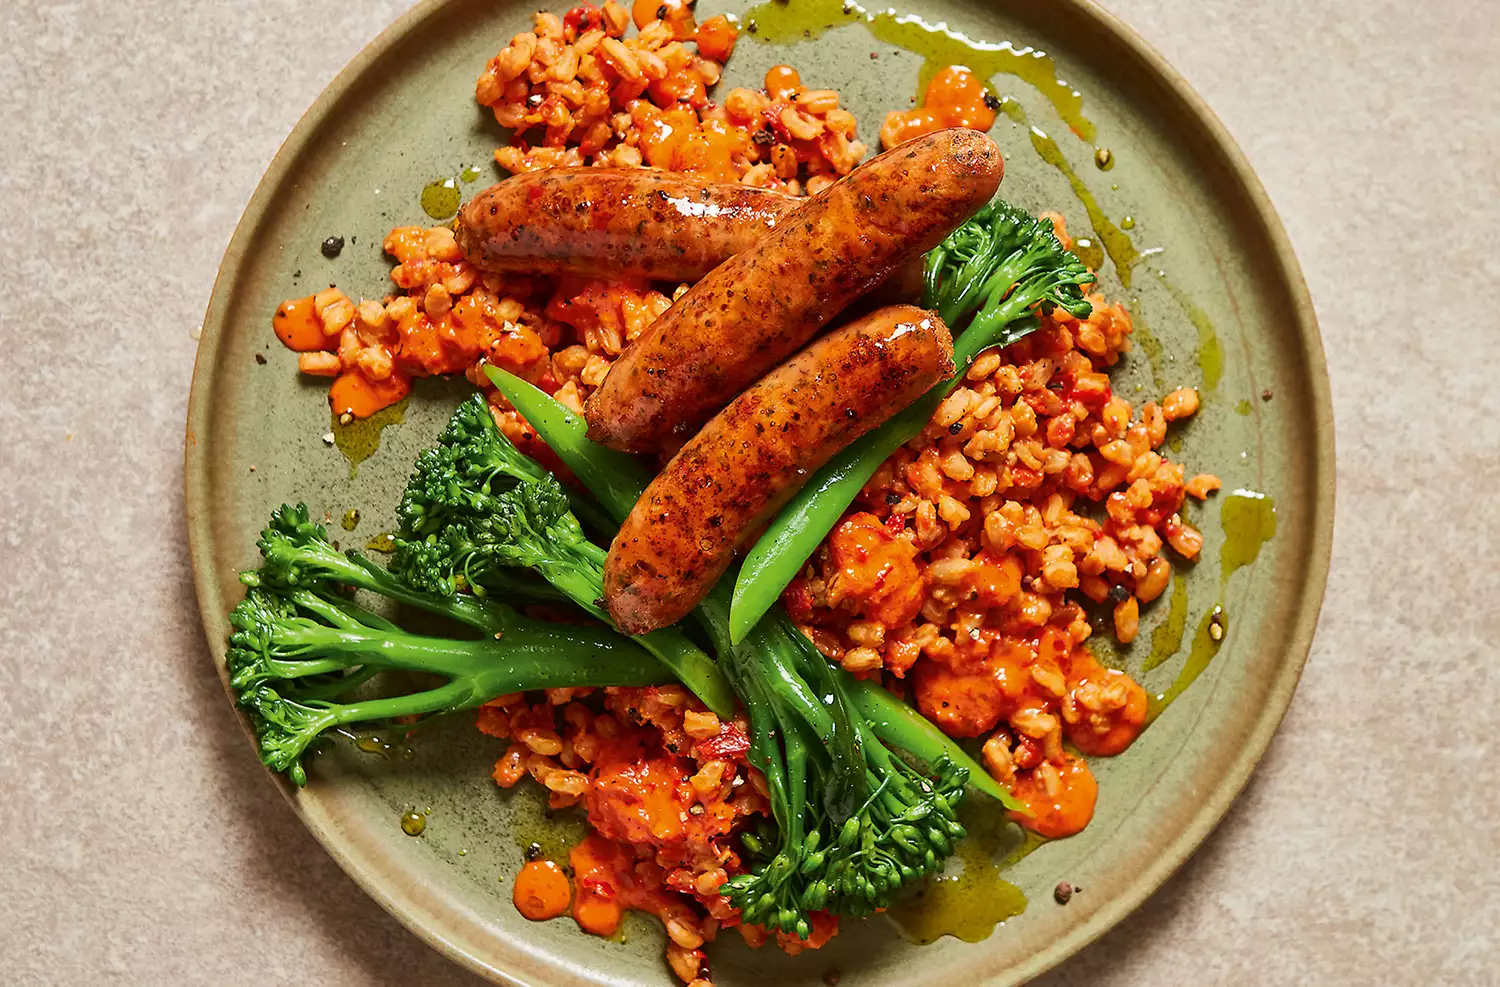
[
  {"x": 476, "y": 508},
  {"x": 1002, "y": 263},
  {"x": 299, "y": 644},
  {"x": 853, "y": 823}
]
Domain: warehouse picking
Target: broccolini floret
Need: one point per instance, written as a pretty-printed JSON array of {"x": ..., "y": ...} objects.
[
  {"x": 476, "y": 506},
  {"x": 299, "y": 645}
]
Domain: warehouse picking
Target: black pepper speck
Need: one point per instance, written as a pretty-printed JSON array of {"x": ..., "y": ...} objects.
[{"x": 333, "y": 246}]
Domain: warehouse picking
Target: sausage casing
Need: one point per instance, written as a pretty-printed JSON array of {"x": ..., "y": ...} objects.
[
  {"x": 615, "y": 223},
  {"x": 762, "y": 305},
  {"x": 752, "y": 456}
]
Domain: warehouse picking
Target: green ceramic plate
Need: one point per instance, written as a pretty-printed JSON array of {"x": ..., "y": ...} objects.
[{"x": 1217, "y": 295}]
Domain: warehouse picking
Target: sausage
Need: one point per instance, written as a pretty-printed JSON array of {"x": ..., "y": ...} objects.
[
  {"x": 615, "y": 223},
  {"x": 752, "y": 456},
  {"x": 760, "y": 306}
]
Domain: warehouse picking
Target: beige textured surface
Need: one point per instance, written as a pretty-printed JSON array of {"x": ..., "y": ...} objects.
[{"x": 143, "y": 845}]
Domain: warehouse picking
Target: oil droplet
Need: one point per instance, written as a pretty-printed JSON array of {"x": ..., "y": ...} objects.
[
  {"x": 383, "y": 542},
  {"x": 350, "y": 520},
  {"x": 469, "y": 174},
  {"x": 408, "y": 754},
  {"x": 1116, "y": 242},
  {"x": 195, "y": 333},
  {"x": 1104, "y": 159},
  {"x": 1243, "y": 409},
  {"x": 780, "y": 22},
  {"x": 372, "y": 745},
  {"x": 441, "y": 199},
  {"x": 413, "y": 823},
  {"x": 1210, "y": 350},
  {"x": 1166, "y": 639},
  {"x": 358, "y": 439},
  {"x": 1128, "y": 223}
]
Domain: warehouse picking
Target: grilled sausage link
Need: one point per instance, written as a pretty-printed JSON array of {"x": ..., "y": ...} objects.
[
  {"x": 752, "y": 456},
  {"x": 615, "y": 222},
  {"x": 760, "y": 306}
]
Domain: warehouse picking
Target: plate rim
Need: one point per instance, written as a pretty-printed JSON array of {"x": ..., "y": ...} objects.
[{"x": 1209, "y": 812}]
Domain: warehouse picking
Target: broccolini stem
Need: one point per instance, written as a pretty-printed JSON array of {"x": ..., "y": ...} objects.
[
  {"x": 332, "y": 690},
  {"x": 454, "y": 695},
  {"x": 353, "y": 569}
]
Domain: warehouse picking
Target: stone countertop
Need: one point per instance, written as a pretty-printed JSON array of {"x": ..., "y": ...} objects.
[{"x": 145, "y": 845}]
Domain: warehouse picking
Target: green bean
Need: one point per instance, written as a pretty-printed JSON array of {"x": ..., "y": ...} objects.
[
  {"x": 898, "y": 725},
  {"x": 995, "y": 268},
  {"x": 803, "y": 524},
  {"x": 618, "y": 480}
]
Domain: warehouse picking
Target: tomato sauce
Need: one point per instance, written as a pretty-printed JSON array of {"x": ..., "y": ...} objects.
[
  {"x": 877, "y": 569},
  {"x": 355, "y": 394},
  {"x": 1062, "y": 808},
  {"x": 297, "y": 325},
  {"x": 542, "y": 891},
  {"x": 608, "y": 885},
  {"x": 955, "y": 98}
]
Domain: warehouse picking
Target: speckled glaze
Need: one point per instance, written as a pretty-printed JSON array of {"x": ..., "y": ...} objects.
[{"x": 402, "y": 113}]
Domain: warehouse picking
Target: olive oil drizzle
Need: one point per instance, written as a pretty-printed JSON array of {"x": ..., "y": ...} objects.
[
  {"x": 1248, "y": 518},
  {"x": 778, "y": 22},
  {"x": 1210, "y": 349},
  {"x": 543, "y": 833},
  {"x": 970, "y": 902},
  {"x": 359, "y": 439},
  {"x": 440, "y": 199},
  {"x": 1116, "y": 242},
  {"x": 1167, "y": 637},
  {"x": 1155, "y": 352}
]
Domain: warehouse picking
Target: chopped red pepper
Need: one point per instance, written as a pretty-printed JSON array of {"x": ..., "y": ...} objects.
[{"x": 730, "y": 742}]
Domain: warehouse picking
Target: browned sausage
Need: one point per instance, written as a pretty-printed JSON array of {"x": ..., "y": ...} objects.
[
  {"x": 615, "y": 222},
  {"x": 752, "y": 456},
  {"x": 761, "y": 306}
]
